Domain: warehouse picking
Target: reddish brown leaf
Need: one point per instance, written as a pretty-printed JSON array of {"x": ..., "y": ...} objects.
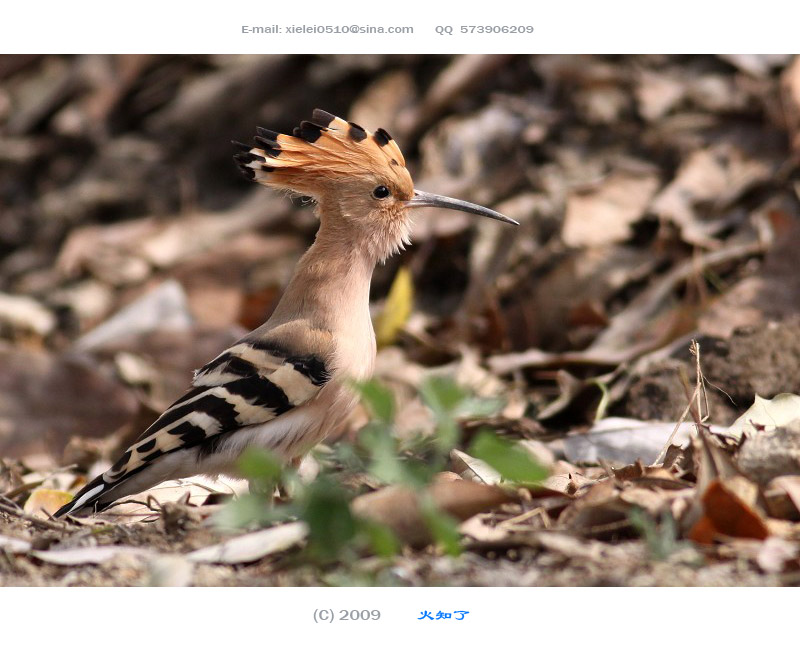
[{"x": 726, "y": 514}]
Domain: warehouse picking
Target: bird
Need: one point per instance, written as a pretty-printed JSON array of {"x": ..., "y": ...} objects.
[{"x": 286, "y": 385}]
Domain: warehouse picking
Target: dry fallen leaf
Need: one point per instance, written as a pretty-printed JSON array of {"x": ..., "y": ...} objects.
[
  {"x": 25, "y": 315},
  {"x": 252, "y": 546},
  {"x": 714, "y": 176},
  {"x": 775, "y": 553},
  {"x": 45, "y": 501},
  {"x": 727, "y": 513},
  {"x": 474, "y": 468},
  {"x": 14, "y": 545},
  {"x": 598, "y": 508},
  {"x": 481, "y": 531},
  {"x": 769, "y": 454},
  {"x": 765, "y": 414},
  {"x": 88, "y": 554},
  {"x": 606, "y": 213},
  {"x": 397, "y": 309},
  {"x": 165, "y": 307},
  {"x": 398, "y": 507},
  {"x": 192, "y": 491},
  {"x": 623, "y": 441},
  {"x": 783, "y": 497}
]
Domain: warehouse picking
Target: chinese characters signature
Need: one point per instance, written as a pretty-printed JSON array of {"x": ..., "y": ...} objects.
[{"x": 457, "y": 615}]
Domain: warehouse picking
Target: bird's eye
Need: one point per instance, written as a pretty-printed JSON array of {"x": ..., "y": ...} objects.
[{"x": 381, "y": 192}]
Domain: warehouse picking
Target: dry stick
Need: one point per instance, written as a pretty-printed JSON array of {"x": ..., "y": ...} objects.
[
  {"x": 647, "y": 304},
  {"x": 694, "y": 348},
  {"x": 10, "y": 494},
  {"x": 41, "y": 523},
  {"x": 700, "y": 387},
  {"x": 606, "y": 349},
  {"x": 25, "y": 487}
]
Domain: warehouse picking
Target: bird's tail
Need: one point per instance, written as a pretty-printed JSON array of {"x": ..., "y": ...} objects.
[{"x": 89, "y": 499}]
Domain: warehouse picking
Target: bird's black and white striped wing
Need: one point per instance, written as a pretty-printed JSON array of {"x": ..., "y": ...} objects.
[{"x": 251, "y": 383}]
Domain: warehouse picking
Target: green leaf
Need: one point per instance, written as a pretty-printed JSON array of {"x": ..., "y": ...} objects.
[
  {"x": 262, "y": 469},
  {"x": 385, "y": 462},
  {"x": 442, "y": 395},
  {"x": 247, "y": 510},
  {"x": 662, "y": 538},
  {"x": 326, "y": 511},
  {"x": 257, "y": 463},
  {"x": 442, "y": 526},
  {"x": 397, "y": 309},
  {"x": 473, "y": 407},
  {"x": 378, "y": 398},
  {"x": 382, "y": 539},
  {"x": 508, "y": 458}
]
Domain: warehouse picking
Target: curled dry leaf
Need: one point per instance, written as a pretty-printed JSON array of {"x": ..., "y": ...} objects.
[
  {"x": 398, "y": 507},
  {"x": 567, "y": 484},
  {"x": 712, "y": 461},
  {"x": 474, "y": 469},
  {"x": 765, "y": 415},
  {"x": 769, "y": 433},
  {"x": 657, "y": 94},
  {"x": 728, "y": 511}
]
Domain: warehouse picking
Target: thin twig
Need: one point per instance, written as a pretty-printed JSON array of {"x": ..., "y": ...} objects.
[
  {"x": 694, "y": 348},
  {"x": 40, "y": 523},
  {"x": 34, "y": 484},
  {"x": 22, "y": 488},
  {"x": 696, "y": 409}
]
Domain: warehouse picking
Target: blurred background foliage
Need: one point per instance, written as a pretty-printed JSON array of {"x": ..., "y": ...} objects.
[{"x": 657, "y": 196}]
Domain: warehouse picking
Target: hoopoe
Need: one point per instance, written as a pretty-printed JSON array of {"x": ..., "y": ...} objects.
[{"x": 283, "y": 386}]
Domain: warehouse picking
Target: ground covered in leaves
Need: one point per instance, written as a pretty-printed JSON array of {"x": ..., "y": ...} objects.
[{"x": 606, "y": 395}]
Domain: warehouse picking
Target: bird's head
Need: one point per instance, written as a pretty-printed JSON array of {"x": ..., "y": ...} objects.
[{"x": 358, "y": 179}]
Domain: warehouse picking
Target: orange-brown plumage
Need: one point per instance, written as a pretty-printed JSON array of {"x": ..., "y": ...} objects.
[{"x": 327, "y": 150}]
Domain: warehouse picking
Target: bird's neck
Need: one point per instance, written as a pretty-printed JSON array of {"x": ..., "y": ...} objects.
[{"x": 330, "y": 286}]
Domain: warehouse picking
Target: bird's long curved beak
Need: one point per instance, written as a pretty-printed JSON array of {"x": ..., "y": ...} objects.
[{"x": 426, "y": 200}]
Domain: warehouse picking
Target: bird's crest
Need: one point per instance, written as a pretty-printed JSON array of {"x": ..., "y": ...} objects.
[{"x": 327, "y": 148}]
